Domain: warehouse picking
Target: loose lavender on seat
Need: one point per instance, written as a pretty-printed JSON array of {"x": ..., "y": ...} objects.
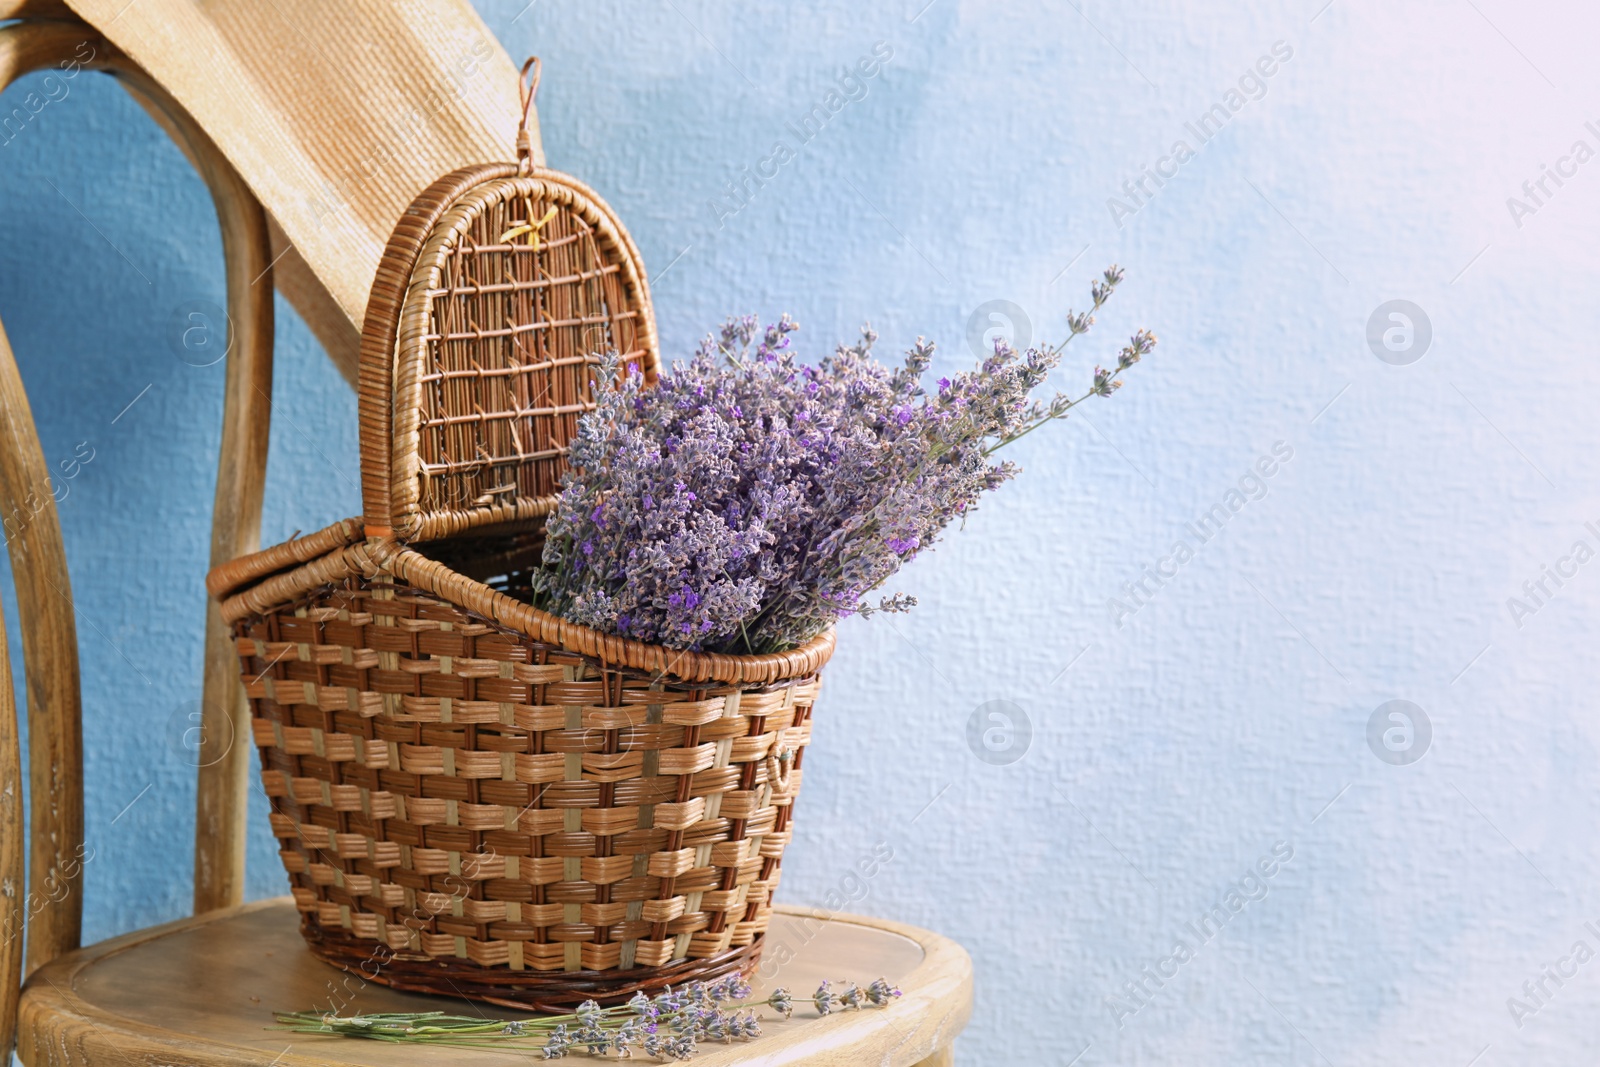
[
  {"x": 748, "y": 500},
  {"x": 669, "y": 1026}
]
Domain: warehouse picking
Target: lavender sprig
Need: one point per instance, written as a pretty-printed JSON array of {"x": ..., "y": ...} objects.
[
  {"x": 748, "y": 500},
  {"x": 668, "y": 1026}
]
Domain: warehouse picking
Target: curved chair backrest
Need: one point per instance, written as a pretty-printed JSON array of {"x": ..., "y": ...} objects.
[{"x": 264, "y": 177}]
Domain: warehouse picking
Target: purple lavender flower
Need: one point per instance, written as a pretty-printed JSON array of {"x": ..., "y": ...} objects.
[
  {"x": 714, "y": 1026},
  {"x": 558, "y": 1043},
  {"x": 625, "y": 1037},
  {"x": 748, "y": 500},
  {"x": 880, "y": 992},
  {"x": 730, "y": 987}
]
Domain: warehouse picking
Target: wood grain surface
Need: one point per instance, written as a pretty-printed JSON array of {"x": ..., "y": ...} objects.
[
  {"x": 13, "y": 902},
  {"x": 202, "y": 991}
]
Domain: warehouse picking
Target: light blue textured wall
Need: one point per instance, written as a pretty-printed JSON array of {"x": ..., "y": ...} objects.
[
  {"x": 107, "y": 233},
  {"x": 1225, "y": 717}
]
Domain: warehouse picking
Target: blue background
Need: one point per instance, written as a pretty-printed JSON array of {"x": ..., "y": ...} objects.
[{"x": 1164, "y": 756}]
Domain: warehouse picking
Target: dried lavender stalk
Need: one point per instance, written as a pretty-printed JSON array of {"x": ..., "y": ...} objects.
[{"x": 669, "y": 1026}]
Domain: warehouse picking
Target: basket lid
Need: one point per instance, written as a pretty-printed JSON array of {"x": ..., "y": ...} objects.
[{"x": 499, "y": 290}]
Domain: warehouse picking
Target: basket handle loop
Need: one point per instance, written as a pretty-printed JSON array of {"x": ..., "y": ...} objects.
[{"x": 528, "y": 88}]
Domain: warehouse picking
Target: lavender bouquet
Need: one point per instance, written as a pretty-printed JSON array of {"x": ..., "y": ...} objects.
[{"x": 747, "y": 500}]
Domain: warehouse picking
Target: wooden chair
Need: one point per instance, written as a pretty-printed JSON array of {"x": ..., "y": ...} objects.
[{"x": 201, "y": 991}]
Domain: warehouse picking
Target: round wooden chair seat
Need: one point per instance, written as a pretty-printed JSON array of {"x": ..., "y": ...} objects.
[{"x": 202, "y": 992}]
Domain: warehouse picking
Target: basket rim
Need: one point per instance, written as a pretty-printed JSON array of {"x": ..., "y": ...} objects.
[{"x": 275, "y": 578}]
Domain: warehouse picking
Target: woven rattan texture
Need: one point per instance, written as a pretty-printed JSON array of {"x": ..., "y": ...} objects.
[
  {"x": 515, "y": 325},
  {"x": 472, "y": 796},
  {"x": 452, "y": 789}
]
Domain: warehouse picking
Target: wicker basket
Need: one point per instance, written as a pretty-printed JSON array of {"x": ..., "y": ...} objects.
[{"x": 473, "y": 797}]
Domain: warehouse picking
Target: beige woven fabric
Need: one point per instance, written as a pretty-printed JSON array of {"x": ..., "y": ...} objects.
[{"x": 336, "y": 115}]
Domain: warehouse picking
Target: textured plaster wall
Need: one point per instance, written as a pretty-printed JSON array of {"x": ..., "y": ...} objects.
[{"x": 1168, "y": 763}]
